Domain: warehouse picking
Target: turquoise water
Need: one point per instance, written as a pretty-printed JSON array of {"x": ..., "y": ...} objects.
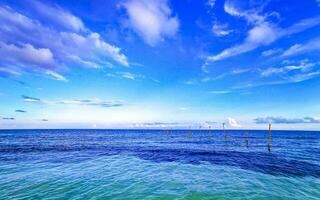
[{"x": 141, "y": 164}]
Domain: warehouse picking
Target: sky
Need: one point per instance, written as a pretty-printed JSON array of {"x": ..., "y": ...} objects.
[{"x": 160, "y": 64}]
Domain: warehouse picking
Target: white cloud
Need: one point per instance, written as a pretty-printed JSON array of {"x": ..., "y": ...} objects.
[
  {"x": 220, "y": 91},
  {"x": 283, "y": 120},
  {"x": 191, "y": 82},
  {"x": 233, "y": 122},
  {"x": 56, "y": 76},
  {"x": 30, "y": 99},
  {"x": 9, "y": 71},
  {"x": 233, "y": 8},
  {"x": 28, "y": 45},
  {"x": 311, "y": 45},
  {"x": 211, "y": 3},
  {"x": 151, "y": 19},
  {"x": 303, "y": 66},
  {"x": 260, "y": 35},
  {"x": 26, "y": 53},
  {"x": 271, "y": 52},
  {"x": 127, "y": 75},
  {"x": 220, "y": 29},
  {"x": 59, "y": 16},
  {"x": 262, "y": 32},
  {"x": 76, "y": 102},
  {"x": 184, "y": 108}
]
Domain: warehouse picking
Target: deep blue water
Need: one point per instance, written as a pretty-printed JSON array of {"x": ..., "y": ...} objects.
[{"x": 56, "y": 163}]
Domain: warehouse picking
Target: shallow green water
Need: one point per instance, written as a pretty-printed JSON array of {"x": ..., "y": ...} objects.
[{"x": 119, "y": 177}]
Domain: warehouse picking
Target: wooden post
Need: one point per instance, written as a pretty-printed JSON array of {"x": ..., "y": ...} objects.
[
  {"x": 224, "y": 131},
  {"x": 210, "y": 132},
  {"x": 247, "y": 139},
  {"x": 190, "y": 132},
  {"x": 269, "y": 138}
]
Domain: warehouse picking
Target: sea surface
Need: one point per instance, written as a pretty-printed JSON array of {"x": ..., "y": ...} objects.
[{"x": 158, "y": 164}]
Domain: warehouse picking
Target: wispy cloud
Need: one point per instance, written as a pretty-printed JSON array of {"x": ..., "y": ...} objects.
[
  {"x": 271, "y": 52},
  {"x": 152, "y": 20},
  {"x": 35, "y": 44},
  {"x": 262, "y": 33},
  {"x": 285, "y": 73},
  {"x": 129, "y": 75},
  {"x": 311, "y": 45},
  {"x": 126, "y": 75},
  {"x": 236, "y": 71},
  {"x": 283, "y": 120},
  {"x": 8, "y": 118},
  {"x": 31, "y": 99},
  {"x": 303, "y": 67},
  {"x": 91, "y": 102},
  {"x": 195, "y": 125},
  {"x": 221, "y": 30},
  {"x": 211, "y": 3},
  {"x": 220, "y": 91},
  {"x": 59, "y": 16},
  {"x": 56, "y": 76},
  {"x": 191, "y": 82},
  {"x": 184, "y": 108},
  {"x": 81, "y": 102},
  {"x": 20, "y": 111}
]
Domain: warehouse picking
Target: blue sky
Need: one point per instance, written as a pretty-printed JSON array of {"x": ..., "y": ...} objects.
[{"x": 160, "y": 63}]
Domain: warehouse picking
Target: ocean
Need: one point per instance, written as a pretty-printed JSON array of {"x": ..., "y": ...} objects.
[{"x": 159, "y": 164}]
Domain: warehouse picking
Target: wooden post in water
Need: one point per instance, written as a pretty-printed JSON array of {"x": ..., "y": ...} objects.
[
  {"x": 247, "y": 139},
  {"x": 210, "y": 132},
  {"x": 224, "y": 131},
  {"x": 190, "y": 132},
  {"x": 269, "y": 138}
]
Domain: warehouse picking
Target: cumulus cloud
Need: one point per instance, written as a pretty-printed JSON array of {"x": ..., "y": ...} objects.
[
  {"x": 282, "y": 120},
  {"x": 233, "y": 122},
  {"x": 51, "y": 46},
  {"x": 262, "y": 33},
  {"x": 26, "y": 53},
  {"x": 152, "y": 20}
]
